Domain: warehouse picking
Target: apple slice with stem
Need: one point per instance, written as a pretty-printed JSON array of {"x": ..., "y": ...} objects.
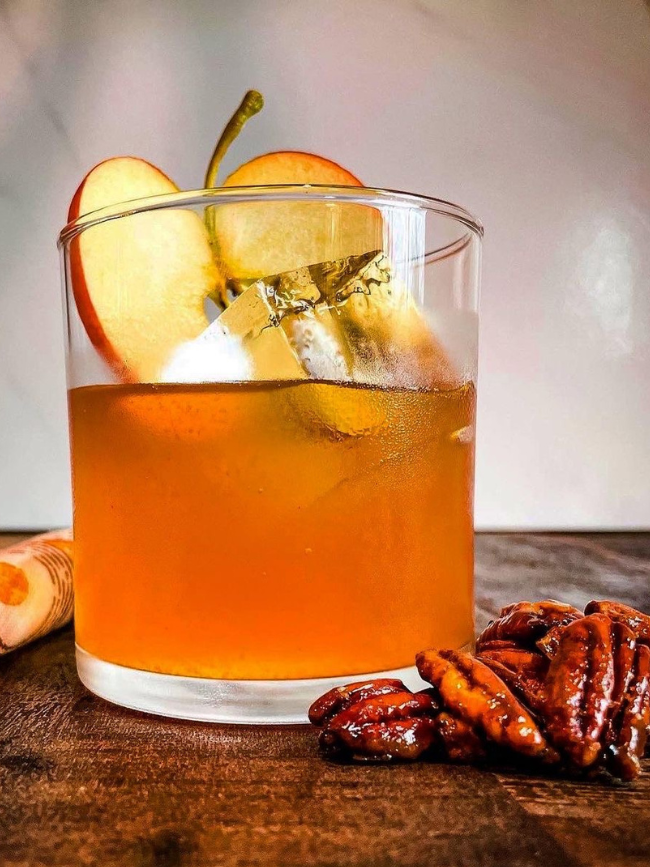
[
  {"x": 139, "y": 281},
  {"x": 253, "y": 240}
]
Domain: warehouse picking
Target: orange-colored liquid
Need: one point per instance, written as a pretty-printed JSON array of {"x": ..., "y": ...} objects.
[{"x": 271, "y": 530}]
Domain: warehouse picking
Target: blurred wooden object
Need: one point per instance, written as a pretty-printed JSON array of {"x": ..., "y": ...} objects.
[{"x": 36, "y": 593}]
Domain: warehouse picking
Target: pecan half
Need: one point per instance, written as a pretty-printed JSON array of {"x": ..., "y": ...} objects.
[
  {"x": 457, "y": 740},
  {"x": 623, "y": 648},
  {"x": 474, "y": 694},
  {"x": 343, "y": 696},
  {"x": 630, "y": 726},
  {"x": 549, "y": 643},
  {"x": 496, "y": 645},
  {"x": 579, "y": 687},
  {"x": 526, "y": 622},
  {"x": 397, "y": 725},
  {"x": 515, "y": 658},
  {"x": 524, "y": 671},
  {"x": 617, "y": 612}
]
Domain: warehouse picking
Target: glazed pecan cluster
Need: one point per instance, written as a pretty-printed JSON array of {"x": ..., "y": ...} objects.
[{"x": 547, "y": 683}]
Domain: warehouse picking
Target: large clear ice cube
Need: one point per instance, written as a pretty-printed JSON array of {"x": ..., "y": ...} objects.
[
  {"x": 387, "y": 338},
  {"x": 285, "y": 329},
  {"x": 345, "y": 321}
]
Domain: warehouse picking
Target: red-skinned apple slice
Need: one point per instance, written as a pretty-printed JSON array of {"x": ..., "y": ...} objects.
[
  {"x": 254, "y": 240},
  {"x": 139, "y": 282}
]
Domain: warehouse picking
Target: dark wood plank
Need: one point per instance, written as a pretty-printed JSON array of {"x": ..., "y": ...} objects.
[
  {"x": 600, "y": 824},
  {"x": 571, "y": 567},
  {"x": 83, "y": 782},
  {"x": 7, "y": 539}
]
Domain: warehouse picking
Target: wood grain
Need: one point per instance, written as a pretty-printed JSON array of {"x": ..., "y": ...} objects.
[
  {"x": 84, "y": 782},
  {"x": 7, "y": 539}
]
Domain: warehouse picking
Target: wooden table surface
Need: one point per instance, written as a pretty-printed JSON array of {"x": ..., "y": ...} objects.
[{"x": 84, "y": 782}]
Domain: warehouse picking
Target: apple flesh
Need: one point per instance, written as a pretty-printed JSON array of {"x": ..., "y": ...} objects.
[
  {"x": 256, "y": 240},
  {"x": 139, "y": 282}
]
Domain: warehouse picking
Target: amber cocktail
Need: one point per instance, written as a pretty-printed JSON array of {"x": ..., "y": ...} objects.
[
  {"x": 281, "y": 499},
  {"x": 225, "y": 534}
]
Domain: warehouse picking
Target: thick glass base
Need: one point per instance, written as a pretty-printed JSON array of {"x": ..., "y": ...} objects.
[{"x": 256, "y": 702}]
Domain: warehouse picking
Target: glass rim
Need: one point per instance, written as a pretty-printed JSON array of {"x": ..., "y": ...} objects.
[{"x": 372, "y": 196}]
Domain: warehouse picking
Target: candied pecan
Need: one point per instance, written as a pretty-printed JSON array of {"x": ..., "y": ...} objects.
[
  {"x": 457, "y": 740},
  {"x": 623, "y": 648},
  {"x": 617, "y": 612},
  {"x": 623, "y": 644},
  {"x": 497, "y": 646},
  {"x": 629, "y": 731},
  {"x": 524, "y": 671},
  {"x": 515, "y": 658},
  {"x": 473, "y": 693},
  {"x": 397, "y": 725},
  {"x": 579, "y": 687},
  {"x": 343, "y": 696},
  {"x": 549, "y": 643},
  {"x": 526, "y": 622}
]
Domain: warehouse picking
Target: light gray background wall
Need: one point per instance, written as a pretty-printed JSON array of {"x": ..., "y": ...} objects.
[{"x": 535, "y": 115}]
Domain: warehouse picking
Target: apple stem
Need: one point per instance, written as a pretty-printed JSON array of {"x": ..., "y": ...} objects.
[{"x": 250, "y": 105}]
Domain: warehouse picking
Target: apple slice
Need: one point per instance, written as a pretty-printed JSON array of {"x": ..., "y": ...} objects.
[
  {"x": 254, "y": 240},
  {"x": 139, "y": 282},
  {"x": 258, "y": 239}
]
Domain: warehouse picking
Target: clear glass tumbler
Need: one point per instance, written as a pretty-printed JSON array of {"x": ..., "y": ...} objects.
[{"x": 272, "y": 401}]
